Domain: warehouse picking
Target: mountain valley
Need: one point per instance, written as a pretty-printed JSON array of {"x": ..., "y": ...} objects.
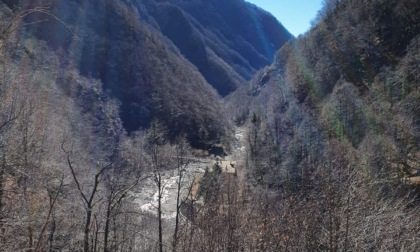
[{"x": 190, "y": 125}]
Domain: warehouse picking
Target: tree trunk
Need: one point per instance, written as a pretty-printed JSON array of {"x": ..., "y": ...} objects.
[
  {"x": 51, "y": 236},
  {"x": 192, "y": 223},
  {"x": 2, "y": 169},
  {"x": 160, "y": 212},
  {"x": 31, "y": 238},
  {"x": 106, "y": 231},
  {"x": 178, "y": 198},
  {"x": 87, "y": 230}
]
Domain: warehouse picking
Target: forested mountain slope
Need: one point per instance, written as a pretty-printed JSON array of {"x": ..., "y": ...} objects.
[
  {"x": 227, "y": 40},
  {"x": 334, "y": 129},
  {"x": 80, "y": 84},
  {"x": 351, "y": 77},
  {"x": 147, "y": 54},
  {"x": 100, "y": 99}
]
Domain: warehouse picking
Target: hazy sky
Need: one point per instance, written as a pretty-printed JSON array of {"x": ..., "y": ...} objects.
[{"x": 295, "y": 15}]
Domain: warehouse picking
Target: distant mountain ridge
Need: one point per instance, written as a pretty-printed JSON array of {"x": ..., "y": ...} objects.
[
  {"x": 228, "y": 41},
  {"x": 100, "y": 101},
  {"x": 159, "y": 57}
]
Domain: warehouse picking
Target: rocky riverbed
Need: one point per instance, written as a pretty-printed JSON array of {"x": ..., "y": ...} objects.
[{"x": 147, "y": 197}]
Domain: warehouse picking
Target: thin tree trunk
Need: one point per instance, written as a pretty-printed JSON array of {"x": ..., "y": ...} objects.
[
  {"x": 192, "y": 223},
  {"x": 178, "y": 198},
  {"x": 97, "y": 226},
  {"x": 87, "y": 229},
  {"x": 51, "y": 236},
  {"x": 31, "y": 238},
  {"x": 2, "y": 169},
  {"x": 106, "y": 231},
  {"x": 160, "y": 212},
  {"x": 175, "y": 241},
  {"x": 89, "y": 204},
  {"x": 53, "y": 200}
]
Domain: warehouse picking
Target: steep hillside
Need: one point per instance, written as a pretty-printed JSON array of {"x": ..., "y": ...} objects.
[
  {"x": 327, "y": 149},
  {"x": 348, "y": 78},
  {"x": 228, "y": 41},
  {"x": 160, "y": 59},
  {"x": 334, "y": 130}
]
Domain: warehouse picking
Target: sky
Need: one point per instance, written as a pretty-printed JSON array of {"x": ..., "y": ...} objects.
[{"x": 294, "y": 15}]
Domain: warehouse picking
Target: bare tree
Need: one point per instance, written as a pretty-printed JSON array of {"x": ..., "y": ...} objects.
[
  {"x": 88, "y": 198},
  {"x": 120, "y": 181},
  {"x": 53, "y": 196},
  {"x": 182, "y": 150},
  {"x": 158, "y": 148}
]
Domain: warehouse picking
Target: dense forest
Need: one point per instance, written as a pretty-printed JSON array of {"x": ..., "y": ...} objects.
[{"x": 142, "y": 125}]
